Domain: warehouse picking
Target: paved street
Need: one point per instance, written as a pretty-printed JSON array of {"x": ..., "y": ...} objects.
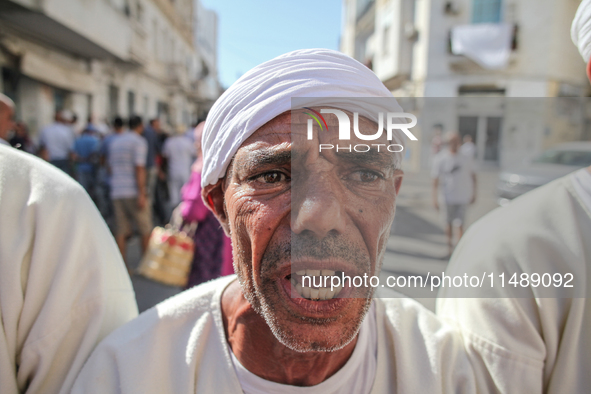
[{"x": 417, "y": 244}]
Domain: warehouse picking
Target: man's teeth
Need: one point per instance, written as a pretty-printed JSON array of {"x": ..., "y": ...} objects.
[
  {"x": 316, "y": 293},
  {"x": 306, "y": 292},
  {"x": 315, "y": 272}
]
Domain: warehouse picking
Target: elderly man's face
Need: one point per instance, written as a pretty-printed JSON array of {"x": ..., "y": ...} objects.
[{"x": 290, "y": 208}]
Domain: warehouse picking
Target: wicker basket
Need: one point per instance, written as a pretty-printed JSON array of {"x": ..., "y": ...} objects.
[{"x": 168, "y": 257}]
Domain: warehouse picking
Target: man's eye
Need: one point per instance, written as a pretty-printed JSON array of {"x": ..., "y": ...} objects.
[
  {"x": 271, "y": 177},
  {"x": 365, "y": 176}
]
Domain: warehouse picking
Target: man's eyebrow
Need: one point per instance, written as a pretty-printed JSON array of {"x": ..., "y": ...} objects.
[
  {"x": 371, "y": 157},
  {"x": 266, "y": 157}
]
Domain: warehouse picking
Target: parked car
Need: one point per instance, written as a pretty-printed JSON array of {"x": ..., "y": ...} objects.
[{"x": 549, "y": 165}]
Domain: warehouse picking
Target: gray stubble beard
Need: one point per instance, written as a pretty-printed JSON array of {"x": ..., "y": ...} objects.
[{"x": 262, "y": 299}]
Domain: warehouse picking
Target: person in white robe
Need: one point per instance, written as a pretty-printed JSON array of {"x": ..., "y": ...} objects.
[
  {"x": 63, "y": 284},
  {"x": 262, "y": 330},
  {"x": 534, "y": 337}
]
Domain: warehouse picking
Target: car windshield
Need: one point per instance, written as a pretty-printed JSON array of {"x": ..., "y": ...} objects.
[{"x": 565, "y": 157}]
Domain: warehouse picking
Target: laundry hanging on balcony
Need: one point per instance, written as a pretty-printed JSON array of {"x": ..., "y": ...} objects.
[{"x": 488, "y": 44}]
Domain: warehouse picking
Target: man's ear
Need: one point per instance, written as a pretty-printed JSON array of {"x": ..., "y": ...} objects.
[
  {"x": 398, "y": 180},
  {"x": 589, "y": 70},
  {"x": 213, "y": 197}
]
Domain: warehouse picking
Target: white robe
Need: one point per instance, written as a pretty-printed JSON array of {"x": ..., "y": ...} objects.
[
  {"x": 63, "y": 284},
  {"x": 180, "y": 347},
  {"x": 534, "y": 344}
]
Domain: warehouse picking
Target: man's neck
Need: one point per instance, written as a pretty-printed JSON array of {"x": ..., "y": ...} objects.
[{"x": 257, "y": 349}]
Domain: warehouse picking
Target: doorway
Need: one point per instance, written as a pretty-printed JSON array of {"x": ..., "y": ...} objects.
[{"x": 486, "y": 134}]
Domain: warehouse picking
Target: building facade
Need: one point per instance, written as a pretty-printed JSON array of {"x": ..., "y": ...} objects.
[
  {"x": 470, "y": 51},
  {"x": 102, "y": 58}
]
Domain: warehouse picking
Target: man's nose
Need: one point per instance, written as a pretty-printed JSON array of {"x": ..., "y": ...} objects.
[{"x": 317, "y": 206}]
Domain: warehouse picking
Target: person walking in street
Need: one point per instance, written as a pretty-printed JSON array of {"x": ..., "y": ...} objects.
[
  {"x": 6, "y": 118},
  {"x": 127, "y": 163},
  {"x": 86, "y": 151},
  {"x": 57, "y": 141},
  {"x": 436, "y": 139},
  {"x": 454, "y": 186},
  {"x": 468, "y": 148},
  {"x": 212, "y": 255},
  {"x": 158, "y": 191},
  {"x": 151, "y": 136},
  {"x": 104, "y": 175},
  {"x": 179, "y": 153}
]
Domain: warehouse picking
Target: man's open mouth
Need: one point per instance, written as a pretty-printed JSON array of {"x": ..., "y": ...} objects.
[{"x": 316, "y": 285}]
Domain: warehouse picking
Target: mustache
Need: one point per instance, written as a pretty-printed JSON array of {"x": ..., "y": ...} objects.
[{"x": 307, "y": 245}]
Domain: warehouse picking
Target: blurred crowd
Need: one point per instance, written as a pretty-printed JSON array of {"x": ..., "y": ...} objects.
[
  {"x": 97, "y": 157},
  {"x": 137, "y": 173}
]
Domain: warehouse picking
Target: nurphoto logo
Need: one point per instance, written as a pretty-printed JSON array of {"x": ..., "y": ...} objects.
[{"x": 392, "y": 119}]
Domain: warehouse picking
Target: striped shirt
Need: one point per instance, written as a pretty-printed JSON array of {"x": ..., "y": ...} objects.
[{"x": 127, "y": 151}]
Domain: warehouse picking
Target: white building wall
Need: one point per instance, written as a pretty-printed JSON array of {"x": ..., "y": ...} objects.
[
  {"x": 541, "y": 55},
  {"x": 393, "y": 38},
  {"x": 152, "y": 56},
  {"x": 98, "y": 20},
  {"x": 544, "y": 64},
  {"x": 347, "y": 44}
]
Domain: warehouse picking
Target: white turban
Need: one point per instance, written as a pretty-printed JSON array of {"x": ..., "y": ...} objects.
[
  {"x": 581, "y": 29},
  {"x": 266, "y": 91}
]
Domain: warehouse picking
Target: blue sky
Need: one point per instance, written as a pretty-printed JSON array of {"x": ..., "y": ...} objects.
[{"x": 251, "y": 32}]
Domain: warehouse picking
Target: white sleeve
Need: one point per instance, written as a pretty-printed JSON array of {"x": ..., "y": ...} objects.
[
  {"x": 63, "y": 284},
  {"x": 522, "y": 339},
  {"x": 501, "y": 335}
]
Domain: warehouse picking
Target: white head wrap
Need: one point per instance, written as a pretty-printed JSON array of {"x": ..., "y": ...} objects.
[
  {"x": 266, "y": 92},
  {"x": 580, "y": 31}
]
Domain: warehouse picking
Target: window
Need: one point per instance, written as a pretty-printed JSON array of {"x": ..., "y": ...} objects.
[
  {"x": 131, "y": 103},
  {"x": 59, "y": 99},
  {"x": 486, "y": 11},
  {"x": 113, "y": 104}
]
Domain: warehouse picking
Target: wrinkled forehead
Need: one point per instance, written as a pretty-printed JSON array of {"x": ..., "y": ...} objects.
[
  {"x": 285, "y": 137},
  {"x": 294, "y": 123},
  {"x": 270, "y": 143}
]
